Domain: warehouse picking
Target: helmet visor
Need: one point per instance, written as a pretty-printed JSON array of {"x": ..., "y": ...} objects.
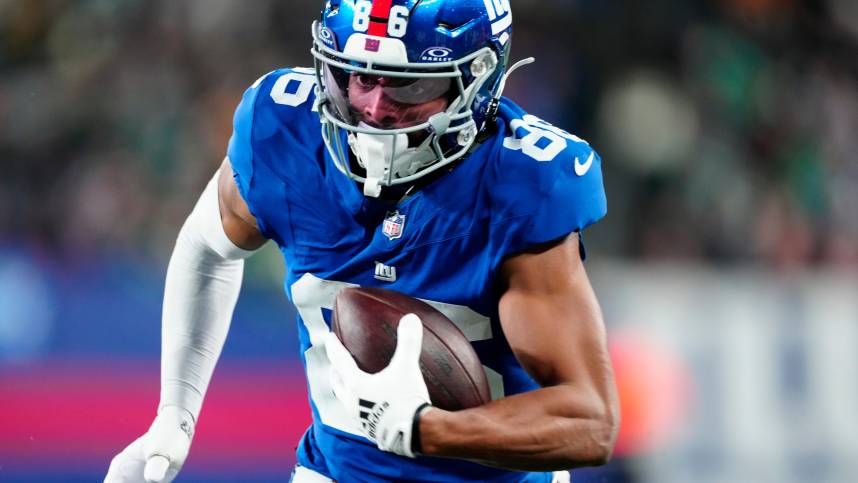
[{"x": 386, "y": 101}]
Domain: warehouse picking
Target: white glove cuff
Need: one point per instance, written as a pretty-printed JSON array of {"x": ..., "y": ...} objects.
[
  {"x": 416, "y": 442},
  {"x": 396, "y": 424}
]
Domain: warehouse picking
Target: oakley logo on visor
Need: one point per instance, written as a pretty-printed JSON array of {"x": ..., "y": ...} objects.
[{"x": 437, "y": 54}]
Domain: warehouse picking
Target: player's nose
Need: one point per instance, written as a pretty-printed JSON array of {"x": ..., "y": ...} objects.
[{"x": 379, "y": 110}]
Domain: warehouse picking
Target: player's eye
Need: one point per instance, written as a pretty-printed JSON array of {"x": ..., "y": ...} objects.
[{"x": 366, "y": 81}]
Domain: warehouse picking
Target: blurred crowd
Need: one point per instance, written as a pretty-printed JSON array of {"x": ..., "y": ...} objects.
[{"x": 728, "y": 129}]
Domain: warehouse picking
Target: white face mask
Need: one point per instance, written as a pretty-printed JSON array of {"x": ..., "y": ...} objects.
[{"x": 375, "y": 153}]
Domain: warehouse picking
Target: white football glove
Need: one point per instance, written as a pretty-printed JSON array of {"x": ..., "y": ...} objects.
[
  {"x": 386, "y": 404},
  {"x": 158, "y": 455}
]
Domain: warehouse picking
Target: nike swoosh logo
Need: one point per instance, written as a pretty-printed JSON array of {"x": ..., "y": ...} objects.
[{"x": 581, "y": 169}]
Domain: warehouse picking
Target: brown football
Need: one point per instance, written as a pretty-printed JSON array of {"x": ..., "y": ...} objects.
[{"x": 366, "y": 319}]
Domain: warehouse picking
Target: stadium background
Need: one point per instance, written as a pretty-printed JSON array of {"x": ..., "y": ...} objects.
[{"x": 727, "y": 267}]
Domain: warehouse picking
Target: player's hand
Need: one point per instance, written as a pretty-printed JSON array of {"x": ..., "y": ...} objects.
[
  {"x": 387, "y": 403},
  {"x": 158, "y": 455}
]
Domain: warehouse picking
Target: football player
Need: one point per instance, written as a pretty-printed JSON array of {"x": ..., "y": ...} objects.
[{"x": 425, "y": 180}]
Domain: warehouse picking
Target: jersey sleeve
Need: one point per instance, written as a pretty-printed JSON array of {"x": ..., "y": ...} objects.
[
  {"x": 263, "y": 132},
  {"x": 539, "y": 201},
  {"x": 240, "y": 149}
]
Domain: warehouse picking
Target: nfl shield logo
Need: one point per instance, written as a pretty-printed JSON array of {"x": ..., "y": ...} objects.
[
  {"x": 393, "y": 225},
  {"x": 372, "y": 45}
]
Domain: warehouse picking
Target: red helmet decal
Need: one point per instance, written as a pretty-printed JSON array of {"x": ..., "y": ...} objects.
[{"x": 378, "y": 17}]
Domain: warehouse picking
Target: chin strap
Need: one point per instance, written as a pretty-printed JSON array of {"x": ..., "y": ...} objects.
[{"x": 493, "y": 107}]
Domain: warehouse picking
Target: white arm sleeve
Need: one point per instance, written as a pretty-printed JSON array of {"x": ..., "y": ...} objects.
[{"x": 203, "y": 282}]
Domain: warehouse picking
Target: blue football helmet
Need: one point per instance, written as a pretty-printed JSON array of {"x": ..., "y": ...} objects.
[{"x": 407, "y": 84}]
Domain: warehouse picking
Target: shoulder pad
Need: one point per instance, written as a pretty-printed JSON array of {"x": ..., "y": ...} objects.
[
  {"x": 546, "y": 183},
  {"x": 280, "y": 102},
  {"x": 275, "y": 115}
]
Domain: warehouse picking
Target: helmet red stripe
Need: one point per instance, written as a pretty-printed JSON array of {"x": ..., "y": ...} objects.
[{"x": 378, "y": 17}]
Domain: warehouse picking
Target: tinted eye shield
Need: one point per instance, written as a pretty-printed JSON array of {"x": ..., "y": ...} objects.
[
  {"x": 430, "y": 81},
  {"x": 347, "y": 93},
  {"x": 406, "y": 91}
]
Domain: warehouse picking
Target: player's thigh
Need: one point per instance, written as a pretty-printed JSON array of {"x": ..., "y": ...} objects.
[{"x": 306, "y": 475}]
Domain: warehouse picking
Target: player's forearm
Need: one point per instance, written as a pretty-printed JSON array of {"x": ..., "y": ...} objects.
[
  {"x": 200, "y": 294},
  {"x": 552, "y": 428},
  {"x": 202, "y": 286}
]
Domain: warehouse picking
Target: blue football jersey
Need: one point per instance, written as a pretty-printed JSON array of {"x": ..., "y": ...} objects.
[{"x": 528, "y": 184}]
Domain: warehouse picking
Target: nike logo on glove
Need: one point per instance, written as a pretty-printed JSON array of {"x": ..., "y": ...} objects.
[{"x": 581, "y": 169}]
